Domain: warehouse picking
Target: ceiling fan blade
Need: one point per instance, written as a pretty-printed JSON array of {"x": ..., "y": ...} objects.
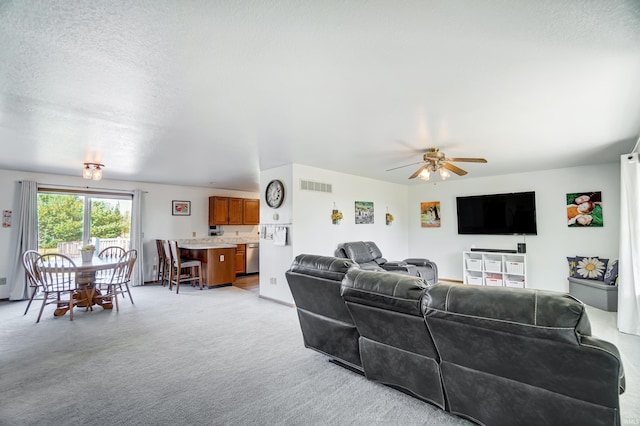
[
  {"x": 415, "y": 175},
  {"x": 468, "y": 160},
  {"x": 406, "y": 165},
  {"x": 454, "y": 169}
]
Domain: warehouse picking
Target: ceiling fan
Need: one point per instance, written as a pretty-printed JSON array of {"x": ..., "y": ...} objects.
[{"x": 436, "y": 161}]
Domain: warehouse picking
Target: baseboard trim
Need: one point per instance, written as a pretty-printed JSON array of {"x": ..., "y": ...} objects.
[{"x": 291, "y": 305}]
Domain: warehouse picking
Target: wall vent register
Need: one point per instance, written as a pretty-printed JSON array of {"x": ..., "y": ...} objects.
[{"x": 309, "y": 185}]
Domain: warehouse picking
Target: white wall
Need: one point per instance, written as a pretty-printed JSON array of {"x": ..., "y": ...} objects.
[
  {"x": 312, "y": 232},
  {"x": 546, "y": 252},
  {"x": 157, "y": 221}
]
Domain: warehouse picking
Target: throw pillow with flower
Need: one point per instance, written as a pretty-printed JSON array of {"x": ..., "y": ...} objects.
[{"x": 591, "y": 268}]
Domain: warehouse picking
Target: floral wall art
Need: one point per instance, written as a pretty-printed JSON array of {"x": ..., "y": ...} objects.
[
  {"x": 584, "y": 209},
  {"x": 430, "y": 214}
]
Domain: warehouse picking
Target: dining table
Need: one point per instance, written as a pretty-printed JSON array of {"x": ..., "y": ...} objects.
[{"x": 85, "y": 272}]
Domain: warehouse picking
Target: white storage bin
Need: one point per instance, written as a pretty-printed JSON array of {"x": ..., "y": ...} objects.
[
  {"x": 474, "y": 264},
  {"x": 492, "y": 265},
  {"x": 515, "y": 267},
  {"x": 493, "y": 281},
  {"x": 515, "y": 283},
  {"x": 474, "y": 280}
]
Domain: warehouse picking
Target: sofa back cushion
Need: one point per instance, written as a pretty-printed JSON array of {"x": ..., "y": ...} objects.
[
  {"x": 396, "y": 292},
  {"x": 358, "y": 251},
  {"x": 536, "y": 313},
  {"x": 315, "y": 285}
]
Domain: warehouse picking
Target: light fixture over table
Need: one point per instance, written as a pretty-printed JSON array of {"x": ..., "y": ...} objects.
[{"x": 92, "y": 171}]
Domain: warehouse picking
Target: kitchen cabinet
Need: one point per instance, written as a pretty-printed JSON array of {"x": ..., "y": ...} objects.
[
  {"x": 233, "y": 211},
  {"x": 240, "y": 258},
  {"x": 225, "y": 211},
  {"x": 218, "y": 262},
  {"x": 251, "y": 211}
]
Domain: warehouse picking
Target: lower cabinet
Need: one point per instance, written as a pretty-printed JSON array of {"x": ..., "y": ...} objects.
[
  {"x": 241, "y": 251},
  {"x": 218, "y": 264}
]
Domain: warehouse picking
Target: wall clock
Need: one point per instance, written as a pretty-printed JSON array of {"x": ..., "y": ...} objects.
[{"x": 275, "y": 194}]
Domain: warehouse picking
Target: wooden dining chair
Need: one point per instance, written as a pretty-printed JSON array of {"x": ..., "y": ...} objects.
[
  {"x": 110, "y": 253},
  {"x": 28, "y": 262},
  {"x": 118, "y": 281},
  {"x": 163, "y": 263},
  {"x": 178, "y": 267},
  {"x": 113, "y": 252},
  {"x": 55, "y": 275}
]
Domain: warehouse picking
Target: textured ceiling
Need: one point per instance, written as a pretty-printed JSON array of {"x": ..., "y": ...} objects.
[{"x": 209, "y": 93}]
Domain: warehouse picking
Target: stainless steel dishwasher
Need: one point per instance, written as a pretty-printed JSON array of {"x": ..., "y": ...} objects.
[{"x": 253, "y": 258}]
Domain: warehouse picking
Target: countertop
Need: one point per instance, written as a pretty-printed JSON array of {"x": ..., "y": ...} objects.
[
  {"x": 204, "y": 246},
  {"x": 214, "y": 242}
]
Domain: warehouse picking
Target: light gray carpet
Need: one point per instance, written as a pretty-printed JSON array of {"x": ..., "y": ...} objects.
[{"x": 214, "y": 357}]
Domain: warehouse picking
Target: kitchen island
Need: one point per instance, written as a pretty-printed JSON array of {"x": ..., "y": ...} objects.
[{"x": 218, "y": 260}]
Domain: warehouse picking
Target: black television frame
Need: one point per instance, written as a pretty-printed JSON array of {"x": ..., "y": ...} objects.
[{"x": 494, "y": 206}]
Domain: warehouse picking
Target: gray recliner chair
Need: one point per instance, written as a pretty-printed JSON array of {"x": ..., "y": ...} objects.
[
  {"x": 327, "y": 326},
  {"x": 396, "y": 347},
  {"x": 369, "y": 257}
]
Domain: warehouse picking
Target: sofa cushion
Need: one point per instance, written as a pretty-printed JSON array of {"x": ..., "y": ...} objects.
[
  {"x": 572, "y": 266},
  {"x": 375, "y": 251},
  {"x": 358, "y": 251},
  {"x": 534, "y": 313},
  {"x": 591, "y": 268},
  {"x": 611, "y": 276},
  {"x": 321, "y": 266},
  {"x": 396, "y": 292}
]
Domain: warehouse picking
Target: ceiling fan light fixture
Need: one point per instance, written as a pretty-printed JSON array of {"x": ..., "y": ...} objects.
[
  {"x": 424, "y": 174},
  {"x": 92, "y": 171},
  {"x": 444, "y": 173}
]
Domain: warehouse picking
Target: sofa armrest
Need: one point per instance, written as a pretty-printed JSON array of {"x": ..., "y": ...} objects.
[
  {"x": 427, "y": 269},
  {"x": 610, "y": 348},
  {"x": 401, "y": 267}
]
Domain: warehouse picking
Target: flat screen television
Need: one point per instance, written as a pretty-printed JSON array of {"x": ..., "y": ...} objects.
[{"x": 498, "y": 214}]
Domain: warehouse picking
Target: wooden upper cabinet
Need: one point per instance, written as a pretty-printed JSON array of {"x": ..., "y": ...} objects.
[
  {"x": 233, "y": 211},
  {"x": 251, "y": 212},
  {"x": 218, "y": 211}
]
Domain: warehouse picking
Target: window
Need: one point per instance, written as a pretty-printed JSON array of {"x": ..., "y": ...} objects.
[{"x": 67, "y": 220}]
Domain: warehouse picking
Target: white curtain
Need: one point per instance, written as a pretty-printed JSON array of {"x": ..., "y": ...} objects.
[
  {"x": 136, "y": 237},
  {"x": 26, "y": 238},
  {"x": 629, "y": 266}
]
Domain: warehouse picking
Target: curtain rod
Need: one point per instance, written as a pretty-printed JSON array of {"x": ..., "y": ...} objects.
[{"x": 53, "y": 186}]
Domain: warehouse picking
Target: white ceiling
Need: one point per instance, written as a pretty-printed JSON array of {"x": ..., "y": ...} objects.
[{"x": 208, "y": 93}]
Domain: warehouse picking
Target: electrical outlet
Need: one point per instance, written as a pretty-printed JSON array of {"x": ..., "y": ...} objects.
[
  {"x": 3, "y": 281},
  {"x": 193, "y": 234},
  {"x": 237, "y": 233},
  {"x": 222, "y": 258},
  {"x": 273, "y": 280}
]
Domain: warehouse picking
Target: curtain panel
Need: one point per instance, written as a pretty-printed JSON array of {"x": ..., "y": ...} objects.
[
  {"x": 26, "y": 238},
  {"x": 136, "y": 237},
  {"x": 629, "y": 268}
]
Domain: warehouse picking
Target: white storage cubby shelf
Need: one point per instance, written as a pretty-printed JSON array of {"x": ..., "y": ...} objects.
[{"x": 494, "y": 269}]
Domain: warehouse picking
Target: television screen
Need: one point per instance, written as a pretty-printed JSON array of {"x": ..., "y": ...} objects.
[{"x": 498, "y": 214}]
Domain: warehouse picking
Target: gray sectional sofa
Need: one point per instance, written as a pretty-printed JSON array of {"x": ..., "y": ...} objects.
[{"x": 496, "y": 356}]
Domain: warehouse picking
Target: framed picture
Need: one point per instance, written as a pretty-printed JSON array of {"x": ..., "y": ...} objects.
[
  {"x": 181, "y": 208},
  {"x": 364, "y": 212},
  {"x": 584, "y": 209},
  {"x": 430, "y": 214}
]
